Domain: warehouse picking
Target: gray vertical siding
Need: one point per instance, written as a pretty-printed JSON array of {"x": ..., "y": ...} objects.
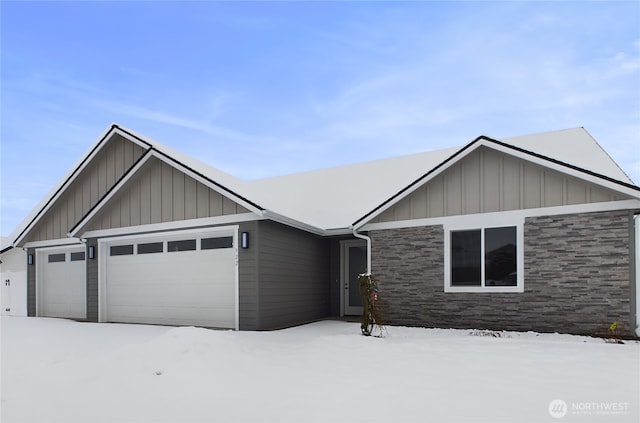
[
  {"x": 577, "y": 278},
  {"x": 92, "y": 282},
  {"x": 31, "y": 285},
  {"x": 488, "y": 181},
  {"x": 293, "y": 276},
  {"x": 635, "y": 257},
  {"x": 334, "y": 279},
  {"x": 115, "y": 158},
  {"x": 161, "y": 193},
  {"x": 248, "y": 279}
]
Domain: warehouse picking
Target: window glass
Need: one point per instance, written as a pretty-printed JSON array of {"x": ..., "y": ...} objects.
[
  {"x": 56, "y": 258},
  {"x": 77, "y": 256},
  {"x": 185, "y": 245},
  {"x": 466, "y": 258},
  {"x": 121, "y": 250},
  {"x": 151, "y": 247},
  {"x": 500, "y": 257},
  {"x": 215, "y": 243}
]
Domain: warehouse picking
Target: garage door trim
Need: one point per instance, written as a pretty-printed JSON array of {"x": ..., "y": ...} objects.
[{"x": 104, "y": 250}]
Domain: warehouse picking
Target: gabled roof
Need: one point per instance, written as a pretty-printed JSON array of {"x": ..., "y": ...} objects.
[
  {"x": 573, "y": 151},
  {"x": 221, "y": 180},
  {"x": 338, "y": 198}
]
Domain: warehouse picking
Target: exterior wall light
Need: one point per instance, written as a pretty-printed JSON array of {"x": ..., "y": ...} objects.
[
  {"x": 244, "y": 240},
  {"x": 92, "y": 252},
  {"x": 30, "y": 259}
]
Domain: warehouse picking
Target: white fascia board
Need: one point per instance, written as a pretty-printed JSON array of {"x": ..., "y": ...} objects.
[
  {"x": 175, "y": 234},
  {"x": 53, "y": 243},
  {"x": 52, "y": 196},
  {"x": 497, "y": 218},
  {"x": 564, "y": 168},
  {"x": 267, "y": 214},
  {"x": 204, "y": 222},
  {"x": 337, "y": 232},
  {"x": 132, "y": 172}
]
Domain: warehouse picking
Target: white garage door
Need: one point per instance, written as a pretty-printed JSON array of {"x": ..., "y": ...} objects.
[
  {"x": 188, "y": 278},
  {"x": 61, "y": 280}
]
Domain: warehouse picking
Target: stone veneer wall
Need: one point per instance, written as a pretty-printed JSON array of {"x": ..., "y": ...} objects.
[{"x": 577, "y": 278}]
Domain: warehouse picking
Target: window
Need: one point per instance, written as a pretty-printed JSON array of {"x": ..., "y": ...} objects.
[
  {"x": 121, "y": 250},
  {"x": 186, "y": 245},
  {"x": 151, "y": 247},
  {"x": 484, "y": 260},
  {"x": 77, "y": 256},
  {"x": 215, "y": 243},
  {"x": 56, "y": 258}
]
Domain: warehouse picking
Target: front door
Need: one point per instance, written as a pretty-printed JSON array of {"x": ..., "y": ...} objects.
[{"x": 354, "y": 263}]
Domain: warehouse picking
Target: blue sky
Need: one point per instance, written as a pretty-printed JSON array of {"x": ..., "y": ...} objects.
[{"x": 266, "y": 88}]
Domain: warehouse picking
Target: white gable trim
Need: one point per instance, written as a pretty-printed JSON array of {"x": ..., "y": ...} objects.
[
  {"x": 133, "y": 171},
  {"x": 505, "y": 149},
  {"x": 205, "y": 222},
  {"x": 52, "y": 243},
  {"x": 495, "y": 218},
  {"x": 58, "y": 190}
]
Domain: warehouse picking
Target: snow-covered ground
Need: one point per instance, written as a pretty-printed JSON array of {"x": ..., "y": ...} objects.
[{"x": 59, "y": 370}]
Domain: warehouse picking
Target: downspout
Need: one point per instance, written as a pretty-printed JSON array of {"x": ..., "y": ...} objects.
[{"x": 368, "y": 239}]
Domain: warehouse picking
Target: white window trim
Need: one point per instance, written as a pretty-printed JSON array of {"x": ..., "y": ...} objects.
[{"x": 485, "y": 223}]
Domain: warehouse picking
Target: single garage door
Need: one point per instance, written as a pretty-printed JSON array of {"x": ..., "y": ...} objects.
[
  {"x": 189, "y": 278},
  {"x": 61, "y": 280}
]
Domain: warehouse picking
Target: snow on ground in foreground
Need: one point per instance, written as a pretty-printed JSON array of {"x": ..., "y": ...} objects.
[{"x": 60, "y": 370}]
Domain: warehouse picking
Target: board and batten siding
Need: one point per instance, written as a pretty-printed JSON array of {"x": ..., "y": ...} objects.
[
  {"x": 294, "y": 276},
  {"x": 159, "y": 193},
  {"x": 490, "y": 181},
  {"x": 94, "y": 181}
]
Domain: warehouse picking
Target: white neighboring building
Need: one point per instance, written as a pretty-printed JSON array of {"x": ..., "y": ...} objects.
[{"x": 13, "y": 279}]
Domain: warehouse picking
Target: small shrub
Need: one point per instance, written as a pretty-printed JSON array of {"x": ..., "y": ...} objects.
[{"x": 372, "y": 310}]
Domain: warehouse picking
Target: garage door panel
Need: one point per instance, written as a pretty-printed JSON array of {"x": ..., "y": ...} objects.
[
  {"x": 195, "y": 287},
  {"x": 62, "y": 283}
]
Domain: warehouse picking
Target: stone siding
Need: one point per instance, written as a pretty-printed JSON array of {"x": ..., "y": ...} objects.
[{"x": 576, "y": 279}]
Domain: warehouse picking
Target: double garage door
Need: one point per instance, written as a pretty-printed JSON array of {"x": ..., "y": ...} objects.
[{"x": 187, "y": 278}]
